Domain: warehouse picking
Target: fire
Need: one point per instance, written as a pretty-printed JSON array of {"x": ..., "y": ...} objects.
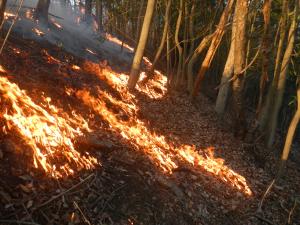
[
  {"x": 75, "y": 67},
  {"x": 8, "y": 15},
  {"x": 118, "y": 42},
  {"x": 163, "y": 154},
  {"x": 90, "y": 51},
  {"x": 57, "y": 25},
  {"x": 29, "y": 14},
  {"x": 50, "y": 58},
  {"x": 47, "y": 130},
  {"x": 38, "y": 32}
]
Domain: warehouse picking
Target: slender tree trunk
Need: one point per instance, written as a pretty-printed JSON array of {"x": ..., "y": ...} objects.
[
  {"x": 227, "y": 74},
  {"x": 282, "y": 78},
  {"x": 290, "y": 133},
  {"x": 41, "y": 12},
  {"x": 2, "y": 10},
  {"x": 241, "y": 12},
  {"x": 162, "y": 42},
  {"x": 135, "y": 68},
  {"x": 178, "y": 46},
  {"x": 265, "y": 49},
  {"x": 267, "y": 110},
  {"x": 218, "y": 34},
  {"x": 99, "y": 14},
  {"x": 139, "y": 19},
  {"x": 88, "y": 11}
]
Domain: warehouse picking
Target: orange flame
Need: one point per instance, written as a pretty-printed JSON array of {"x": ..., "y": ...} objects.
[
  {"x": 47, "y": 130},
  {"x": 38, "y": 32},
  {"x": 155, "y": 146},
  {"x": 118, "y": 42}
]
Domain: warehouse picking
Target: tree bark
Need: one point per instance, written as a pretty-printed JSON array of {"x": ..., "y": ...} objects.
[
  {"x": 282, "y": 78},
  {"x": 2, "y": 10},
  {"x": 241, "y": 12},
  {"x": 99, "y": 14},
  {"x": 162, "y": 43},
  {"x": 88, "y": 11},
  {"x": 227, "y": 74},
  {"x": 42, "y": 10},
  {"x": 136, "y": 64},
  {"x": 178, "y": 46},
  {"x": 217, "y": 37},
  {"x": 265, "y": 49}
]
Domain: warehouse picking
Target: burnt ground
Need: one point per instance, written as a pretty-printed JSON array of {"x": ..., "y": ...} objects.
[{"x": 129, "y": 187}]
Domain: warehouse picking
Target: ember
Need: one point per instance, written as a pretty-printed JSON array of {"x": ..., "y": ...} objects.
[
  {"x": 48, "y": 131},
  {"x": 38, "y": 32}
]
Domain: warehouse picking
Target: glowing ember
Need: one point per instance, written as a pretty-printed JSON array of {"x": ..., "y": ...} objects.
[
  {"x": 8, "y": 15},
  {"x": 57, "y": 25},
  {"x": 47, "y": 130},
  {"x": 75, "y": 67},
  {"x": 155, "y": 146},
  {"x": 90, "y": 51},
  {"x": 38, "y": 32},
  {"x": 50, "y": 58}
]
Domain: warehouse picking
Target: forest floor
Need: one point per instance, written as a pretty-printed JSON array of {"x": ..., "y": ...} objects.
[{"x": 162, "y": 159}]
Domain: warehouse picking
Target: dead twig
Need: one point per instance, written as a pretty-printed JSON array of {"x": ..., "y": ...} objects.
[
  {"x": 82, "y": 214},
  {"x": 65, "y": 192},
  {"x": 292, "y": 211}
]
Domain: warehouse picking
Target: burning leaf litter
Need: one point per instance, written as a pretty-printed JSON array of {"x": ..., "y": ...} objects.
[{"x": 48, "y": 131}]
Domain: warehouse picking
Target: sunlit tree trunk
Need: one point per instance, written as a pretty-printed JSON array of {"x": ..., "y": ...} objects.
[
  {"x": 41, "y": 11},
  {"x": 136, "y": 64},
  {"x": 139, "y": 19},
  {"x": 241, "y": 12},
  {"x": 265, "y": 49},
  {"x": 2, "y": 10},
  {"x": 290, "y": 133},
  {"x": 162, "y": 42},
  {"x": 282, "y": 78},
  {"x": 217, "y": 37},
  {"x": 227, "y": 74}
]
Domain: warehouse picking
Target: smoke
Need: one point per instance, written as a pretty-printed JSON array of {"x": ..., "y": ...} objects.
[{"x": 74, "y": 36}]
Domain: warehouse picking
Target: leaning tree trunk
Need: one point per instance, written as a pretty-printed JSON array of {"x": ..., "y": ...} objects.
[
  {"x": 217, "y": 37},
  {"x": 227, "y": 74},
  {"x": 2, "y": 10},
  {"x": 241, "y": 12},
  {"x": 41, "y": 11},
  {"x": 136, "y": 64},
  {"x": 282, "y": 78}
]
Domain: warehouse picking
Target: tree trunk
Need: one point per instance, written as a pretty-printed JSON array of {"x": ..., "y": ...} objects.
[
  {"x": 267, "y": 110},
  {"x": 41, "y": 11},
  {"x": 88, "y": 11},
  {"x": 136, "y": 64},
  {"x": 162, "y": 42},
  {"x": 265, "y": 49},
  {"x": 2, "y": 10},
  {"x": 99, "y": 14},
  {"x": 227, "y": 74},
  {"x": 217, "y": 37},
  {"x": 178, "y": 46},
  {"x": 290, "y": 133},
  {"x": 241, "y": 12},
  {"x": 282, "y": 78},
  {"x": 139, "y": 19}
]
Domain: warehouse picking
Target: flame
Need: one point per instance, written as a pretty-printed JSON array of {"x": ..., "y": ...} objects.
[
  {"x": 8, "y": 15},
  {"x": 50, "y": 58},
  {"x": 57, "y": 25},
  {"x": 118, "y": 42},
  {"x": 38, "y": 32},
  {"x": 163, "y": 154},
  {"x": 75, "y": 67},
  {"x": 47, "y": 130}
]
